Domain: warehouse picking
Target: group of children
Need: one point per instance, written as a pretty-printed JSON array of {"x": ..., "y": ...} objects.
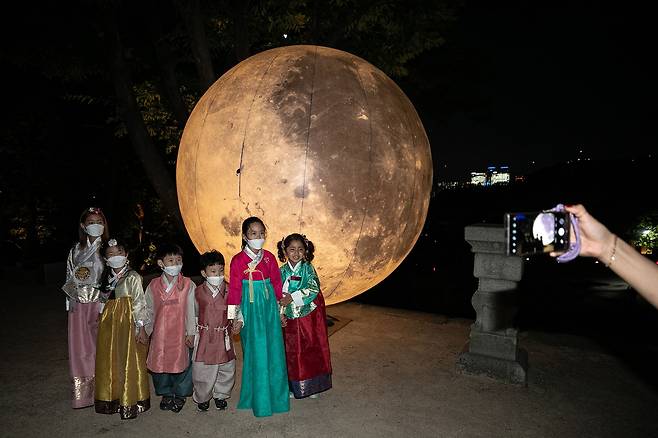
[{"x": 181, "y": 333}]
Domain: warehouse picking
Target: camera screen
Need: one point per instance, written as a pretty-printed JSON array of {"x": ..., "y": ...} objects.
[{"x": 538, "y": 232}]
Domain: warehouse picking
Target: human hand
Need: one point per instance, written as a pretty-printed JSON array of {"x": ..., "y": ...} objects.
[
  {"x": 142, "y": 337},
  {"x": 284, "y": 320},
  {"x": 285, "y": 299},
  {"x": 595, "y": 239},
  {"x": 236, "y": 327},
  {"x": 189, "y": 341}
]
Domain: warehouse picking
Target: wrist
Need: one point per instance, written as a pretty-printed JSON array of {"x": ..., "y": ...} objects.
[{"x": 609, "y": 251}]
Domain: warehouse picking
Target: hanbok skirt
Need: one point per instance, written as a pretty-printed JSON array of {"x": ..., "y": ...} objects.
[
  {"x": 307, "y": 352},
  {"x": 122, "y": 384},
  {"x": 264, "y": 379},
  {"x": 83, "y": 327}
]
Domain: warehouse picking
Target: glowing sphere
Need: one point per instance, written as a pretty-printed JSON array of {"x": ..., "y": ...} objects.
[{"x": 311, "y": 140}]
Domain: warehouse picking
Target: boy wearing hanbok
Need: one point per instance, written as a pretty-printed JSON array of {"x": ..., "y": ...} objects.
[
  {"x": 170, "y": 351},
  {"x": 213, "y": 364}
]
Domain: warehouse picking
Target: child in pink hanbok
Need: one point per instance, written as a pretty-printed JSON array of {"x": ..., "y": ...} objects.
[
  {"x": 170, "y": 351},
  {"x": 84, "y": 269}
]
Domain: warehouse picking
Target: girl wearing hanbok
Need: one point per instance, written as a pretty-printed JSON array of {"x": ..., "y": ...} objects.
[
  {"x": 305, "y": 333},
  {"x": 122, "y": 384},
  {"x": 84, "y": 268},
  {"x": 255, "y": 289}
]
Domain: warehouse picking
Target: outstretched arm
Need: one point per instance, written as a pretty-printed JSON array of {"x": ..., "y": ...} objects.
[{"x": 597, "y": 241}]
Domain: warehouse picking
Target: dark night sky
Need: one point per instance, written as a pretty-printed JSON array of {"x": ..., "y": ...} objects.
[
  {"x": 550, "y": 79},
  {"x": 523, "y": 81}
]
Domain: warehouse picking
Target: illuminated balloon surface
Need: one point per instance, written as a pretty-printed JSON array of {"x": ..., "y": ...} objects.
[{"x": 312, "y": 140}]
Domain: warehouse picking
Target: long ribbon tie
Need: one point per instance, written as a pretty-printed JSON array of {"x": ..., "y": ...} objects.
[{"x": 250, "y": 270}]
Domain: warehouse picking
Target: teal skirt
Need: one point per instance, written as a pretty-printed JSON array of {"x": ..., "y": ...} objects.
[{"x": 264, "y": 376}]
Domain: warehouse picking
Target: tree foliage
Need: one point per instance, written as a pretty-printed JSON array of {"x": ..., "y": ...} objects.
[
  {"x": 72, "y": 133},
  {"x": 644, "y": 232}
]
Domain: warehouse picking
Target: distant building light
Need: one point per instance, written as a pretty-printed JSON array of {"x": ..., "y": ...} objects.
[
  {"x": 478, "y": 178},
  {"x": 500, "y": 178}
]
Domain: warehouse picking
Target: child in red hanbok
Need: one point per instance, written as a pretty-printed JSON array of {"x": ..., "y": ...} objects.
[{"x": 305, "y": 333}]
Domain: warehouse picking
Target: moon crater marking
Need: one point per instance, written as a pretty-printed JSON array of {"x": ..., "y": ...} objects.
[{"x": 326, "y": 145}]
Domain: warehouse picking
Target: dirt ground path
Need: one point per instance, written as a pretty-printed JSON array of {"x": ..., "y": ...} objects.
[{"x": 394, "y": 376}]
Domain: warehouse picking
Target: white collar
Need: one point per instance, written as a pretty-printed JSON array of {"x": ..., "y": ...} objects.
[
  {"x": 92, "y": 245},
  {"x": 165, "y": 280},
  {"x": 214, "y": 290},
  {"x": 296, "y": 267},
  {"x": 252, "y": 255},
  {"x": 115, "y": 276}
]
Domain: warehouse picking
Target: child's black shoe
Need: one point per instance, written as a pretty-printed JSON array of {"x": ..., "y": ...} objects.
[
  {"x": 220, "y": 404},
  {"x": 179, "y": 402},
  {"x": 203, "y": 407},
  {"x": 167, "y": 403}
]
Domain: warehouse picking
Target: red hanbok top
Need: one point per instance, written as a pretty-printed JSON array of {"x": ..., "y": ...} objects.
[{"x": 267, "y": 268}]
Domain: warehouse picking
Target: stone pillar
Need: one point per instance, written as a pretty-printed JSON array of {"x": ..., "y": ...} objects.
[{"x": 493, "y": 348}]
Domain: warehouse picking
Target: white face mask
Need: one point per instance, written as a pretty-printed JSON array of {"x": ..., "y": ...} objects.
[
  {"x": 173, "y": 270},
  {"x": 116, "y": 261},
  {"x": 215, "y": 281},
  {"x": 95, "y": 230},
  {"x": 256, "y": 243}
]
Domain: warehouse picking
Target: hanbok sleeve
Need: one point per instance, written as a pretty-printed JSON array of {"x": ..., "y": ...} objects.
[
  {"x": 190, "y": 317},
  {"x": 307, "y": 294},
  {"x": 234, "y": 298},
  {"x": 69, "y": 266},
  {"x": 148, "y": 295},
  {"x": 140, "y": 306},
  {"x": 69, "y": 278},
  {"x": 275, "y": 279}
]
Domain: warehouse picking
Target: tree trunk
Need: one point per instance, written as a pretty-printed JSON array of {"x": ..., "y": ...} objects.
[
  {"x": 315, "y": 34},
  {"x": 167, "y": 65},
  {"x": 240, "y": 9},
  {"x": 154, "y": 164},
  {"x": 190, "y": 10}
]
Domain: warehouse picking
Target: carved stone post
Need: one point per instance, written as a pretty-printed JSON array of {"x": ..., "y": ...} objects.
[{"x": 493, "y": 347}]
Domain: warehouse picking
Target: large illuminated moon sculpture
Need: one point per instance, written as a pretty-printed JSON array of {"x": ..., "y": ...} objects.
[{"x": 312, "y": 140}]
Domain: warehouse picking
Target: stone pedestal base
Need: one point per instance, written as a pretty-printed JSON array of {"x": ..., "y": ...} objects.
[
  {"x": 493, "y": 348},
  {"x": 506, "y": 370}
]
